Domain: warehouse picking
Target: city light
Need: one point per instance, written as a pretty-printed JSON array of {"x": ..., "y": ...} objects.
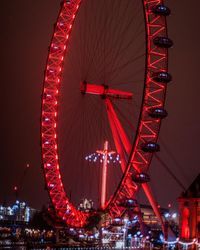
[
  {"x": 174, "y": 215},
  {"x": 98, "y": 158},
  {"x": 19, "y": 211}
]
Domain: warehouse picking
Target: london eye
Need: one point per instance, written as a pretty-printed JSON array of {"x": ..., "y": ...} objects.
[{"x": 105, "y": 79}]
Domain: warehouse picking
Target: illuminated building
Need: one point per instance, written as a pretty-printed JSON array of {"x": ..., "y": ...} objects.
[
  {"x": 189, "y": 207},
  {"x": 149, "y": 217},
  {"x": 17, "y": 212},
  {"x": 86, "y": 205}
]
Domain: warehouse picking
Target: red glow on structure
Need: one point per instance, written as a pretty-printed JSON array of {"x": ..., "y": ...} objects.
[
  {"x": 104, "y": 174},
  {"x": 148, "y": 128},
  {"x": 49, "y": 115},
  {"x": 154, "y": 96},
  {"x": 185, "y": 231},
  {"x": 105, "y": 157},
  {"x": 104, "y": 91},
  {"x": 118, "y": 130}
]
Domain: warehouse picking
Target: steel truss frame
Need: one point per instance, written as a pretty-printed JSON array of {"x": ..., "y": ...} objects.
[{"x": 148, "y": 127}]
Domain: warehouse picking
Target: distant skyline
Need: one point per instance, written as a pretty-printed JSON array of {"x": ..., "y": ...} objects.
[{"x": 26, "y": 31}]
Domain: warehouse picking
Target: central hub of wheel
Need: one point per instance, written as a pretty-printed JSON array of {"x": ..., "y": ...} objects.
[{"x": 104, "y": 91}]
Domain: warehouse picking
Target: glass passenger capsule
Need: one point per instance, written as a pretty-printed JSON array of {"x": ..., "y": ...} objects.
[
  {"x": 158, "y": 113},
  {"x": 129, "y": 203},
  {"x": 161, "y": 10},
  {"x": 117, "y": 222},
  {"x": 150, "y": 147},
  {"x": 141, "y": 178},
  {"x": 163, "y": 42},
  {"x": 162, "y": 76}
]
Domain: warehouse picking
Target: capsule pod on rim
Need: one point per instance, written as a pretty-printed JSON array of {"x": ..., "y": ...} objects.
[
  {"x": 162, "y": 76},
  {"x": 150, "y": 147},
  {"x": 161, "y": 10},
  {"x": 158, "y": 113},
  {"x": 163, "y": 42},
  {"x": 141, "y": 177}
]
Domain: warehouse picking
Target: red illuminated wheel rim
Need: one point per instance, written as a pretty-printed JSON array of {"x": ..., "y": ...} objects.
[{"x": 156, "y": 77}]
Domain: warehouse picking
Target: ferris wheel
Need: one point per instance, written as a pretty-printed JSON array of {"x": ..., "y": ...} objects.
[{"x": 112, "y": 86}]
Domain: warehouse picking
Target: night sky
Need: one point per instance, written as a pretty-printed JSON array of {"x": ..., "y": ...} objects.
[{"x": 26, "y": 30}]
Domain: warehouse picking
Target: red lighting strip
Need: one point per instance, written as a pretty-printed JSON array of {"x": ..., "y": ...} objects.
[
  {"x": 154, "y": 96},
  {"x": 148, "y": 128},
  {"x": 57, "y": 51},
  {"x": 130, "y": 186},
  {"x": 104, "y": 91}
]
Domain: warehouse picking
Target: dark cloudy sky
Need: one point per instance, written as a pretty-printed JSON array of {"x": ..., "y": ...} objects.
[{"x": 26, "y": 29}]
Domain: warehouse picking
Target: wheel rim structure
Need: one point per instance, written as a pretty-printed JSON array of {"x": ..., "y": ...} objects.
[{"x": 148, "y": 126}]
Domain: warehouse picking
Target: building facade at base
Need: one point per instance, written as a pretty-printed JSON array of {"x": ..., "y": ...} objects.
[{"x": 189, "y": 210}]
